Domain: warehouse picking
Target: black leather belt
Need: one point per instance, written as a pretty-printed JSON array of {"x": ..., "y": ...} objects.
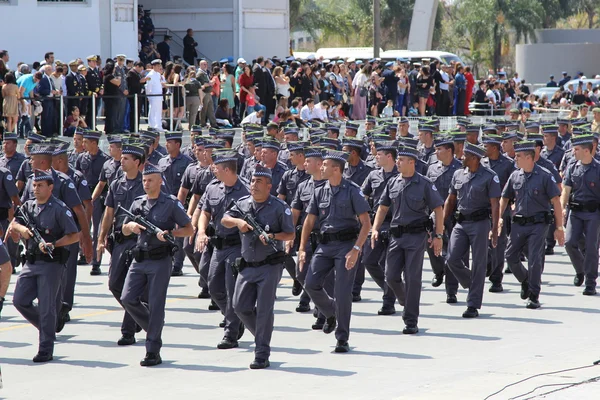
[
  {"x": 397, "y": 231},
  {"x": 476, "y": 216},
  {"x": 275, "y": 258},
  {"x": 539, "y": 218},
  {"x": 341, "y": 236},
  {"x": 589, "y": 207},
  {"x": 157, "y": 253}
]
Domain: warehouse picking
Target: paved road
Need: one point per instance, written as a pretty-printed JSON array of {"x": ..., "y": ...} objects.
[{"x": 450, "y": 358}]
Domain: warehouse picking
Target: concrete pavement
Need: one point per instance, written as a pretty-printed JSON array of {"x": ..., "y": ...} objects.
[{"x": 450, "y": 357}]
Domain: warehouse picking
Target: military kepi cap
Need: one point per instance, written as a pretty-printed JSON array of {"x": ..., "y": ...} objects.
[
  {"x": 474, "y": 150},
  {"x": 225, "y": 155},
  {"x": 526, "y": 145},
  {"x": 151, "y": 169},
  {"x": 261, "y": 171},
  {"x": 92, "y": 135},
  {"x": 133, "y": 149},
  {"x": 41, "y": 175},
  {"x": 335, "y": 155},
  {"x": 313, "y": 151},
  {"x": 582, "y": 139}
]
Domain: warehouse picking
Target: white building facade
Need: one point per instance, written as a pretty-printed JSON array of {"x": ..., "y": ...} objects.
[{"x": 78, "y": 28}]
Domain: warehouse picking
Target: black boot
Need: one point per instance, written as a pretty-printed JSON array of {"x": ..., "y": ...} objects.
[{"x": 533, "y": 302}]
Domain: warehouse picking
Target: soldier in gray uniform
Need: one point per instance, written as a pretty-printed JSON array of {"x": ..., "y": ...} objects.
[
  {"x": 25, "y": 169},
  {"x": 459, "y": 139},
  {"x": 111, "y": 170},
  {"x": 41, "y": 275},
  {"x": 472, "y": 132},
  {"x": 474, "y": 192},
  {"x": 254, "y": 146},
  {"x": 548, "y": 165},
  {"x": 532, "y": 189},
  {"x": 60, "y": 163},
  {"x": 64, "y": 189},
  {"x": 426, "y": 147},
  {"x": 90, "y": 163},
  {"x": 305, "y": 192},
  {"x": 287, "y": 191},
  {"x": 270, "y": 151},
  {"x": 373, "y": 257},
  {"x": 187, "y": 181},
  {"x": 77, "y": 147},
  {"x": 173, "y": 166},
  {"x": 343, "y": 214},
  {"x": 552, "y": 151},
  {"x": 261, "y": 264},
  {"x": 581, "y": 194},
  {"x": 11, "y": 159},
  {"x": 356, "y": 171},
  {"x": 290, "y": 135},
  {"x": 153, "y": 262},
  {"x": 122, "y": 192},
  {"x": 205, "y": 177},
  {"x": 218, "y": 198},
  {"x": 441, "y": 173},
  {"x": 9, "y": 196},
  {"x": 411, "y": 197},
  {"x": 503, "y": 167},
  {"x": 154, "y": 154},
  {"x": 421, "y": 166},
  {"x": 351, "y": 132}
]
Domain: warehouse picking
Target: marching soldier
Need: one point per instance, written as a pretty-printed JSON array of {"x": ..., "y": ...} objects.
[
  {"x": 261, "y": 264},
  {"x": 9, "y": 196},
  {"x": 374, "y": 254},
  {"x": 152, "y": 265},
  {"x": 188, "y": 179},
  {"x": 533, "y": 189},
  {"x": 173, "y": 166},
  {"x": 410, "y": 196},
  {"x": 198, "y": 189},
  {"x": 60, "y": 163},
  {"x": 343, "y": 215},
  {"x": 77, "y": 147},
  {"x": 474, "y": 192},
  {"x": 153, "y": 137},
  {"x": 11, "y": 159},
  {"x": 90, "y": 164},
  {"x": 218, "y": 198},
  {"x": 123, "y": 191},
  {"x": 41, "y": 275},
  {"x": 304, "y": 194},
  {"x": 581, "y": 194},
  {"x": 270, "y": 151},
  {"x": 441, "y": 173},
  {"x": 287, "y": 191},
  {"x": 356, "y": 171},
  {"x": 503, "y": 167},
  {"x": 426, "y": 147}
]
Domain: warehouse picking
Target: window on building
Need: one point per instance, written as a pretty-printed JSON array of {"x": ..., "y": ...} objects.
[
  {"x": 309, "y": 39},
  {"x": 300, "y": 41}
]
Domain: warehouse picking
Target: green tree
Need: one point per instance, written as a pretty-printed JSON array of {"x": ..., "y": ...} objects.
[
  {"x": 486, "y": 26},
  {"x": 312, "y": 17}
]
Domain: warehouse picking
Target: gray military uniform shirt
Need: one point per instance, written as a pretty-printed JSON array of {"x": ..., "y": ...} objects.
[
  {"x": 531, "y": 191},
  {"x": 274, "y": 215}
]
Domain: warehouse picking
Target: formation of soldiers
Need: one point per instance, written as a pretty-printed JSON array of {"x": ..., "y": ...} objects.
[{"x": 342, "y": 205}]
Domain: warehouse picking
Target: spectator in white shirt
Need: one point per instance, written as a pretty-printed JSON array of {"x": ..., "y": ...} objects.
[
  {"x": 319, "y": 112},
  {"x": 306, "y": 113},
  {"x": 254, "y": 117}
]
